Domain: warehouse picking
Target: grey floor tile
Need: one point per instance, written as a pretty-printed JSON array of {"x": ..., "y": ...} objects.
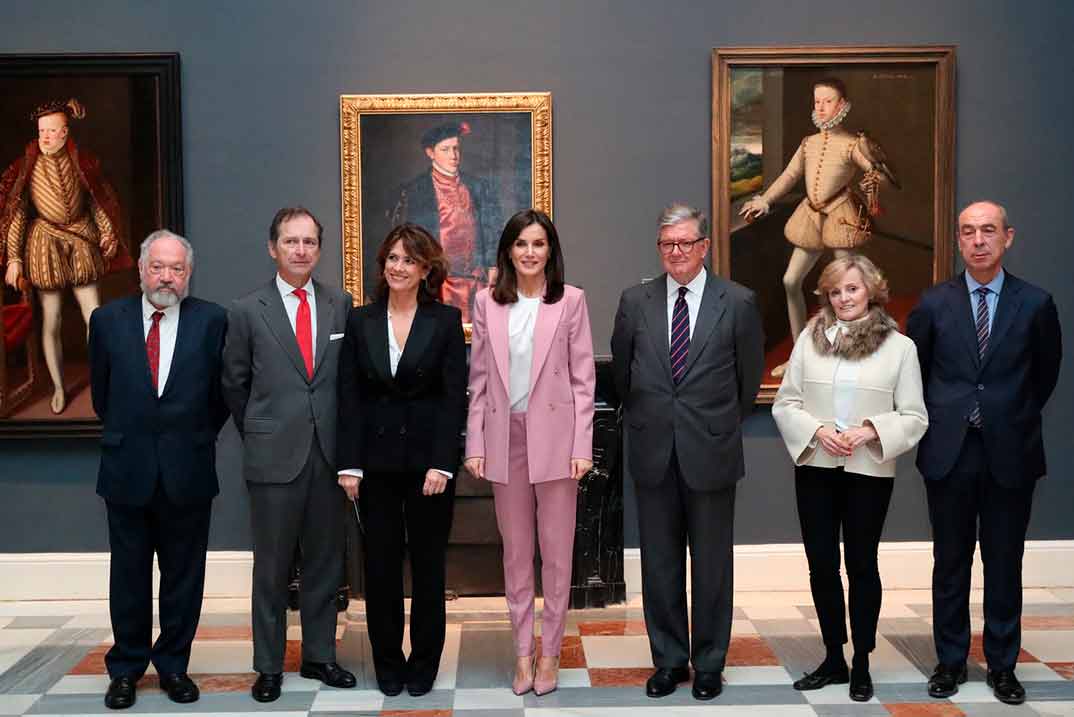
[
  {"x": 797, "y": 653},
  {"x": 159, "y": 703},
  {"x": 1057, "y": 690},
  {"x": 224, "y": 619},
  {"x": 863, "y": 710},
  {"x": 45, "y": 664},
  {"x": 486, "y": 658},
  {"x": 996, "y": 709},
  {"x": 739, "y": 614},
  {"x": 759, "y": 695},
  {"x": 568, "y": 697},
  {"x": 434, "y": 700},
  {"x": 889, "y": 692},
  {"x": 787, "y": 627},
  {"x": 487, "y": 713},
  {"x": 28, "y": 622},
  {"x": 808, "y": 611},
  {"x": 918, "y": 649},
  {"x": 922, "y": 609},
  {"x": 904, "y": 626},
  {"x": 1046, "y": 609},
  {"x": 355, "y": 654}
]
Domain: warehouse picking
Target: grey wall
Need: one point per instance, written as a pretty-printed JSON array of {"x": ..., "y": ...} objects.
[{"x": 631, "y": 93}]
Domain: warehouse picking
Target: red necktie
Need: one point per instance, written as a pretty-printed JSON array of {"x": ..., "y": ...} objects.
[
  {"x": 152, "y": 348},
  {"x": 304, "y": 330}
]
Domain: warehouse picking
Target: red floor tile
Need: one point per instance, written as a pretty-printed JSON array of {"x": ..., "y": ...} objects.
[
  {"x": 612, "y": 627},
  {"x": 977, "y": 651},
  {"x": 92, "y": 663},
  {"x": 571, "y": 653},
  {"x": 750, "y": 651},
  {"x": 924, "y": 709},
  {"x": 619, "y": 676},
  {"x": 230, "y": 632},
  {"x": 1063, "y": 669},
  {"x": 1053, "y": 622},
  {"x": 217, "y": 682}
]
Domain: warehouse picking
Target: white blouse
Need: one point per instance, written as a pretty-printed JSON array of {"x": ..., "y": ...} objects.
[
  {"x": 394, "y": 352},
  {"x": 521, "y": 322},
  {"x": 844, "y": 380}
]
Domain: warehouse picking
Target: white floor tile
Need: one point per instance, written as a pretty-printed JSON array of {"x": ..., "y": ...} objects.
[
  {"x": 449, "y": 659},
  {"x": 491, "y": 699},
  {"x": 574, "y": 677},
  {"x": 347, "y": 701},
  {"x": 974, "y": 692},
  {"x": 1036, "y": 672},
  {"x": 628, "y": 651},
  {"x": 764, "y": 675},
  {"x": 774, "y": 612},
  {"x": 1056, "y": 709},
  {"x": 16, "y": 704},
  {"x": 226, "y": 656},
  {"x": 743, "y": 627},
  {"x": 1050, "y": 646},
  {"x": 80, "y": 685},
  {"x": 832, "y": 695},
  {"x": 888, "y": 665},
  {"x": 294, "y": 682},
  {"x": 90, "y": 620}
]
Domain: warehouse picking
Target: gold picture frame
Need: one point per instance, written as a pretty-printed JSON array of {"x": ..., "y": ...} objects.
[
  {"x": 507, "y": 147},
  {"x": 903, "y": 100}
]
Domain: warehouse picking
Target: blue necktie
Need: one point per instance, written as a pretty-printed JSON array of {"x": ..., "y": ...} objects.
[
  {"x": 982, "y": 343},
  {"x": 680, "y": 336}
]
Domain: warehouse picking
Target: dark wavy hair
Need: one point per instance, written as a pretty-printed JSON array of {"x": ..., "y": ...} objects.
[
  {"x": 505, "y": 291},
  {"x": 422, "y": 248}
]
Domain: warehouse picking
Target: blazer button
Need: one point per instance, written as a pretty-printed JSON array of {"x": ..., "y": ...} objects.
[
  {"x": 420, "y": 372},
  {"x": 555, "y": 372},
  {"x": 980, "y": 387},
  {"x": 494, "y": 409},
  {"x": 402, "y": 431},
  {"x": 380, "y": 431},
  {"x": 551, "y": 407}
]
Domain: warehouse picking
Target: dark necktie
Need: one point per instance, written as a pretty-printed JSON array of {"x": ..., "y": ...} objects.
[
  {"x": 680, "y": 336},
  {"x": 152, "y": 348},
  {"x": 304, "y": 330},
  {"x": 982, "y": 343}
]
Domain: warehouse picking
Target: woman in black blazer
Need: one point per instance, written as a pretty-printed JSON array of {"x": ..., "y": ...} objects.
[{"x": 402, "y": 403}]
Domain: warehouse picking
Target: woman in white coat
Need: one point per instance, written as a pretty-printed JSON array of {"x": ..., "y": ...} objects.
[{"x": 850, "y": 402}]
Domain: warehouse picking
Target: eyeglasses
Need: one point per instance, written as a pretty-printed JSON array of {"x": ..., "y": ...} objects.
[
  {"x": 668, "y": 247},
  {"x": 157, "y": 269}
]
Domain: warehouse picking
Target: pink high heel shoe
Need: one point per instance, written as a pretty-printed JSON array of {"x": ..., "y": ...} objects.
[
  {"x": 522, "y": 685},
  {"x": 547, "y": 677}
]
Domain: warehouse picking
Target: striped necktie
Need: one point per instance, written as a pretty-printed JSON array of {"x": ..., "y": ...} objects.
[
  {"x": 982, "y": 343},
  {"x": 680, "y": 336}
]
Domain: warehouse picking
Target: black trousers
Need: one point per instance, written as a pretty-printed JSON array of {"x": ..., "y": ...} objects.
[
  {"x": 672, "y": 516},
  {"x": 398, "y": 519},
  {"x": 831, "y": 501},
  {"x": 179, "y": 535},
  {"x": 965, "y": 504},
  {"x": 306, "y": 513}
]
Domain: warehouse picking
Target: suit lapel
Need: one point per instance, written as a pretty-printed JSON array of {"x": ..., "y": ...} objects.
[
  {"x": 965, "y": 324},
  {"x": 326, "y": 308},
  {"x": 375, "y": 328},
  {"x": 548, "y": 316},
  {"x": 1010, "y": 300},
  {"x": 421, "y": 333},
  {"x": 183, "y": 343},
  {"x": 709, "y": 314},
  {"x": 275, "y": 316},
  {"x": 656, "y": 319},
  {"x": 136, "y": 326},
  {"x": 496, "y": 316}
]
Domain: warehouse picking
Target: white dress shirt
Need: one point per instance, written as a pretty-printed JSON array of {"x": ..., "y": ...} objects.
[
  {"x": 168, "y": 329},
  {"x": 521, "y": 322},
  {"x": 290, "y": 305},
  {"x": 694, "y": 291}
]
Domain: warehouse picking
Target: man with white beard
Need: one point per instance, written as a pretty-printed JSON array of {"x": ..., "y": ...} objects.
[{"x": 155, "y": 362}]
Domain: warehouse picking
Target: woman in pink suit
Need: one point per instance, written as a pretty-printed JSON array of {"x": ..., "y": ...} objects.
[{"x": 532, "y": 380}]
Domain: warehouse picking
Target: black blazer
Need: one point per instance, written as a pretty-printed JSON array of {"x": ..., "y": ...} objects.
[
  {"x": 1012, "y": 381},
  {"x": 410, "y": 422},
  {"x": 171, "y": 438}
]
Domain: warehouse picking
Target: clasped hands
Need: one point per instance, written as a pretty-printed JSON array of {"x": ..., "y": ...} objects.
[
  {"x": 579, "y": 467},
  {"x": 843, "y": 444},
  {"x": 435, "y": 483}
]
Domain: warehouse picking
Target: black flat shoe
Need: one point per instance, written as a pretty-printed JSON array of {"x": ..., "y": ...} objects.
[
  {"x": 707, "y": 685},
  {"x": 664, "y": 681},
  {"x": 822, "y": 677},
  {"x": 121, "y": 693},
  {"x": 329, "y": 673},
  {"x": 418, "y": 688},
  {"x": 267, "y": 687},
  {"x": 861, "y": 686},
  {"x": 1006, "y": 687},
  {"x": 180, "y": 687},
  {"x": 945, "y": 680}
]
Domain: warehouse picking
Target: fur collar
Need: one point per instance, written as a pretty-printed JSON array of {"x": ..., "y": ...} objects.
[{"x": 861, "y": 340}]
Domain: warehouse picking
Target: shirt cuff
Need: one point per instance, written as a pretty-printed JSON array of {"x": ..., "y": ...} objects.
[
  {"x": 356, "y": 472},
  {"x": 449, "y": 474}
]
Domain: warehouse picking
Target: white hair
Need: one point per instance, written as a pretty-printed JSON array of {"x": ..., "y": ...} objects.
[
  {"x": 165, "y": 234},
  {"x": 678, "y": 212}
]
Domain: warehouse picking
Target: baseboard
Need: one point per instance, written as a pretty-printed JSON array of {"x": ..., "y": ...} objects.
[
  {"x": 903, "y": 566},
  {"x": 84, "y": 576}
]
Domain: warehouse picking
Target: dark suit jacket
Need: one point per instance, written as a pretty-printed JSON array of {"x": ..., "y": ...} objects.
[
  {"x": 419, "y": 199},
  {"x": 171, "y": 438},
  {"x": 1012, "y": 381},
  {"x": 277, "y": 408},
  {"x": 702, "y": 415},
  {"x": 412, "y": 421}
]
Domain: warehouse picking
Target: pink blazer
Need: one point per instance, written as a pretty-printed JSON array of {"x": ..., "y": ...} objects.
[{"x": 559, "y": 415}]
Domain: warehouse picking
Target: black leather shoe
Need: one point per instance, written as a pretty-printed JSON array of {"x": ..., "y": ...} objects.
[
  {"x": 664, "y": 681},
  {"x": 861, "y": 686},
  {"x": 945, "y": 680},
  {"x": 121, "y": 693},
  {"x": 329, "y": 673},
  {"x": 821, "y": 677},
  {"x": 267, "y": 686},
  {"x": 1006, "y": 687},
  {"x": 180, "y": 687},
  {"x": 417, "y": 688},
  {"x": 707, "y": 685}
]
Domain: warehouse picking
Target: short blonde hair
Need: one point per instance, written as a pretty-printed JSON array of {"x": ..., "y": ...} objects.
[{"x": 875, "y": 283}]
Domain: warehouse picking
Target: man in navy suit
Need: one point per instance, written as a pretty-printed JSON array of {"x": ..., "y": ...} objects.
[
  {"x": 990, "y": 348},
  {"x": 155, "y": 365}
]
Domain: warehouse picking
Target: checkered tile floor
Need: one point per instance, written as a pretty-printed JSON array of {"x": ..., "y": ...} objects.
[{"x": 51, "y": 662}]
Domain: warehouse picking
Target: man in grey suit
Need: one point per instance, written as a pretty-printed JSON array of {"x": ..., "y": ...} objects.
[
  {"x": 688, "y": 355},
  {"x": 279, "y": 380}
]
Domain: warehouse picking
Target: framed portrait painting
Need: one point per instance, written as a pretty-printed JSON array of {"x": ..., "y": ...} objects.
[
  {"x": 819, "y": 151},
  {"x": 90, "y": 149},
  {"x": 457, "y": 165}
]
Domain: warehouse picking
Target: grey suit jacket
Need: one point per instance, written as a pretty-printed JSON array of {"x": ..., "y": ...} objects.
[
  {"x": 276, "y": 407},
  {"x": 701, "y": 416}
]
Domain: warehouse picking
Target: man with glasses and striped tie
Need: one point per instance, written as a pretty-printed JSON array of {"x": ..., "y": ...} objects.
[
  {"x": 989, "y": 345},
  {"x": 688, "y": 355}
]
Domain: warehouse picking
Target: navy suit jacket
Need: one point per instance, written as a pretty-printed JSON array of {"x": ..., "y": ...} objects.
[
  {"x": 1012, "y": 381},
  {"x": 146, "y": 439}
]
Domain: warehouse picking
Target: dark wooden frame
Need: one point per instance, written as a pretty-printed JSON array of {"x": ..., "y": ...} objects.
[
  {"x": 164, "y": 69},
  {"x": 940, "y": 58}
]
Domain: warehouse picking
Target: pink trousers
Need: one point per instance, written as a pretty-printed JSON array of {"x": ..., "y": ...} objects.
[{"x": 523, "y": 509}]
